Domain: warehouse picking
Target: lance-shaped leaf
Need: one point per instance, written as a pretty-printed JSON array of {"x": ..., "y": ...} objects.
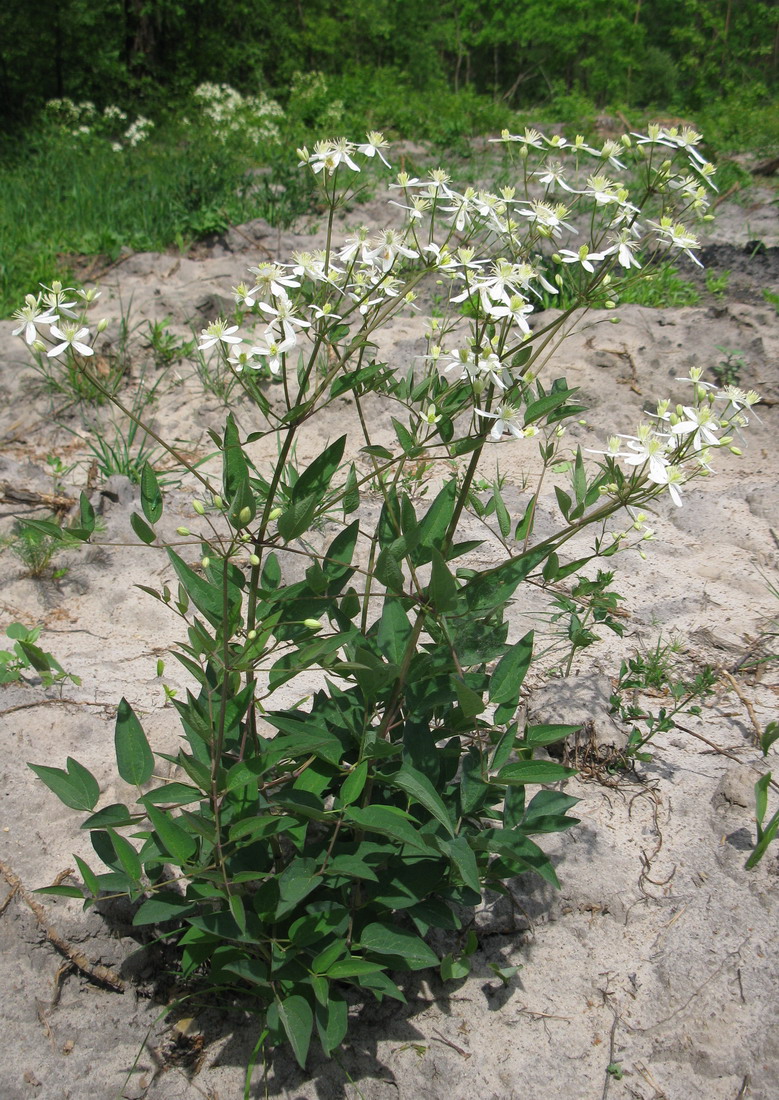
[{"x": 134, "y": 758}]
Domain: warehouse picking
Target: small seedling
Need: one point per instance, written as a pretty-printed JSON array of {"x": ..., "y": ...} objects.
[
  {"x": 728, "y": 371},
  {"x": 35, "y": 545},
  {"x": 27, "y": 657},
  {"x": 717, "y": 285}
]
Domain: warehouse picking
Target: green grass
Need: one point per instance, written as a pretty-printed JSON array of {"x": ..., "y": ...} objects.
[{"x": 63, "y": 197}]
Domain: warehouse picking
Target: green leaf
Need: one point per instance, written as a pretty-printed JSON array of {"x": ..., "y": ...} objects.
[
  {"x": 235, "y": 470},
  {"x": 297, "y": 518},
  {"x": 206, "y": 597},
  {"x": 116, "y": 816},
  {"x": 398, "y": 943},
  {"x": 298, "y": 1022},
  {"x": 537, "y": 736},
  {"x": 435, "y": 523},
  {"x": 496, "y": 586},
  {"x": 295, "y": 883},
  {"x": 128, "y": 856},
  {"x": 86, "y": 516},
  {"x": 388, "y": 821},
  {"x": 134, "y": 758},
  {"x": 442, "y": 590},
  {"x": 394, "y": 630},
  {"x": 547, "y": 812},
  {"x": 173, "y": 794},
  {"x": 471, "y": 702},
  {"x": 317, "y": 476},
  {"x": 453, "y": 969},
  {"x": 504, "y": 520},
  {"x": 178, "y": 843},
  {"x": 388, "y": 572},
  {"x": 61, "y": 891},
  {"x": 76, "y": 787},
  {"x": 352, "y": 786},
  {"x": 142, "y": 529},
  {"x": 564, "y": 502},
  {"x": 89, "y": 876},
  {"x": 151, "y": 497},
  {"x": 461, "y": 854},
  {"x": 533, "y": 771},
  {"x": 162, "y": 907},
  {"x": 352, "y": 967},
  {"x": 418, "y": 787},
  {"x": 579, "y": 478},
  {"x": 511, "y": 670}
]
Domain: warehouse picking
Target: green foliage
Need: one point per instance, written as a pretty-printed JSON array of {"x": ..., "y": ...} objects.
[
  {"x": 728, "y": 371},
  {"x": 26, "y": 657},
  {"x": 37, "y": 542},
  {"x": 354, "y": 767},
  {"x": 656, "y": 672}
]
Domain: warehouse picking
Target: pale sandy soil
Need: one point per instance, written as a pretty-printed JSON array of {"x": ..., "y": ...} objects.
[{"x": 658, "y": 954}]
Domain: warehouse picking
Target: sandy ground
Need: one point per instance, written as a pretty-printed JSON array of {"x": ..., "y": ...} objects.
[{"x": 659, "y": 954}]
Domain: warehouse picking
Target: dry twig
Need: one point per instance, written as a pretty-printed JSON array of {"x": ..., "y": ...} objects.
[{"x": 94, "y": 971}]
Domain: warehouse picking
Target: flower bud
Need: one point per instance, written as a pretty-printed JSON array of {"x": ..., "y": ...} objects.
[
  {"x": 38, "y": 345},
  {"x": 251, "y": 635},
  {"x": 312, "y": 624},
  {"x": 736, "y": 451},
  {"x": 275, "y": 513},
  {"x": 184, "y": 531},
  {"x": 254, "y": 559},
  {"x": 610, "y": 304},
  {"x": 218, "y": 502},
  {"x": 205, "y": 562},
  {"x": 198, "y": 507},
  {"x": 245, "y": 515},
  {"x": 102, "y": 324}
]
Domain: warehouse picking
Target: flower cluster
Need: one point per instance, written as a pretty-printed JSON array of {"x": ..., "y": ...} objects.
[
  {"x": 251, "y": 117},
  {"x": 83, "y": 121},
  {"x": 679, "y": 442},
  {"x": 50, "y": 323}
]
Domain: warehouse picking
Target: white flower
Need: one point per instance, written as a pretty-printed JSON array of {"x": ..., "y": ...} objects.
[
  {"x": 701, "y": 423},
  {"x": 271, "y": 280},
  {"x": 515, "y": 311},
  {"x": 624, "y": 246},
  {"x": 328, "y": 155},
  {"x": 373, "y": 146},
  {"x": 285, "y": 321},
  {"x": 388, "y": 246},
  {"x": 71, "y": 336},
  {"x": 675, "y": 235},
  {"x": 507, "y": 419},
  {"x": 218, "y": 332},
  {"x": 648, "y": 448},
  {"x": 583, "y": 256},
  {"x": 31, "y": 315},
  {"x": 549, "y": 219},
  {"x": 272, "y": 349},
  {"x": 553, "y": 175},
  {"x": 674, "y": 480},
  {"x": 240, "y": 358}
]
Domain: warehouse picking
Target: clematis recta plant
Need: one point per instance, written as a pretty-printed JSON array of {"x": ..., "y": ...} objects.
[{"x": 355, "y": 764}]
